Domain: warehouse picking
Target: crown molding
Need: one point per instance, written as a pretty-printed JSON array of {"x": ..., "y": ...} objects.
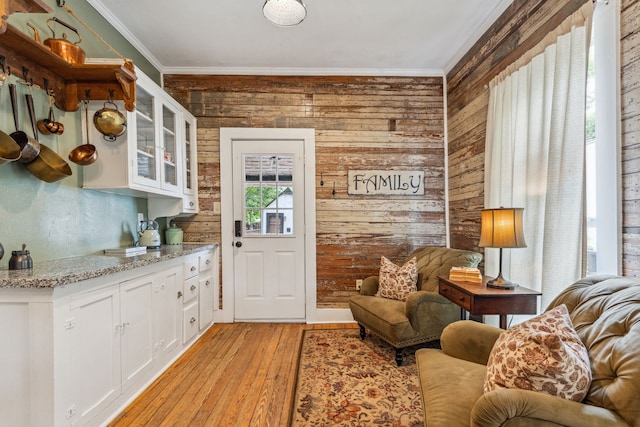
[{"x": 278, "y": 71}]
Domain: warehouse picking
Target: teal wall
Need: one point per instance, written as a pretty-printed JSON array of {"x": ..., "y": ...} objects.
[{"x": 60, "y": 220}]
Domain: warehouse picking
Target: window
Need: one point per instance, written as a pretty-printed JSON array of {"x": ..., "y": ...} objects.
[{"x": 603, "y": 164}]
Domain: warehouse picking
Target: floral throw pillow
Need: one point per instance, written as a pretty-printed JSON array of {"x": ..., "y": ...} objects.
[
  {"x": 543, "y": 354},
  {"x": 397, "y": 282}
]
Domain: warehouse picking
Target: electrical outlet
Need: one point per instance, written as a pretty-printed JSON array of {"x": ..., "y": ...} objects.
[{"x": 358, "y": 284}]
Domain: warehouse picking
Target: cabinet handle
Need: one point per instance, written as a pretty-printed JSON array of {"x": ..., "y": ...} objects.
[
  {"x": 207, "y": 283},
  {"x": 208, "y": 262},
  {"x": 191, "y": 204},
  {"x": 179, "y": 294},
  {"x": 193, "y": 320},
  {"x": 193, "y": 287},
  {"x": 193, "y": 268},
  {"x": 460, "y": 298}
]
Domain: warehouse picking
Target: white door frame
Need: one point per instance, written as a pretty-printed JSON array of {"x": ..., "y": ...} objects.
[{"x": 306, "y": 137}]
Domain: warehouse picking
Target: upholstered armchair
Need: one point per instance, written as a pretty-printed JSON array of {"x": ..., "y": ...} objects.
[
  {"x": 424, "y": 314},
  {"x": 605, "y": 313}
]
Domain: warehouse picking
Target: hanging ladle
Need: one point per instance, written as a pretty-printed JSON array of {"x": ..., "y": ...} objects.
[{"x": 86, "y": 153}]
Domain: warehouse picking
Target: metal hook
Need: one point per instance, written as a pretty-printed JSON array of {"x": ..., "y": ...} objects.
[{"x": 61, "y": 3}]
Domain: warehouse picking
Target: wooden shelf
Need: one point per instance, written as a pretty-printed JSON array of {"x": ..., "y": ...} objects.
[{"x": 68, "y": 82}]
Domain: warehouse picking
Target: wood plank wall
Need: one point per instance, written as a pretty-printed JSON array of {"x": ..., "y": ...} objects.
[
  {"x": 361, "y": 123},
  {"x": 520, "y": 27},
  {"x": 630, "y": 126}
]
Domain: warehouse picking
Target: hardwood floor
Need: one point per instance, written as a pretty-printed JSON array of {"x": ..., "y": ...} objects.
[{"x": 239, "y": 374}]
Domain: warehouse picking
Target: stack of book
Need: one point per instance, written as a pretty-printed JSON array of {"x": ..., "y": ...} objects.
[
  {"x": 465, "y": 274},
  {"x": 127, "y": 251}
]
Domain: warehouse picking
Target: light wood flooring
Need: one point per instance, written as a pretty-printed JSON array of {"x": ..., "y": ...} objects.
[{"x": 239, "y": 374}]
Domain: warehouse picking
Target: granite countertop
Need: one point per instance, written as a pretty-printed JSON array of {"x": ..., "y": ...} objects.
[{"x": 59, "y": 272}]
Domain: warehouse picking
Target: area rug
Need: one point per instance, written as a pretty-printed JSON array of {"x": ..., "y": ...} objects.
[{"x": 345, "y": 381}]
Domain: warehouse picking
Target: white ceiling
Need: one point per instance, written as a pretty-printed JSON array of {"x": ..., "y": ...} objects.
[{"x": 348, "y": 37}]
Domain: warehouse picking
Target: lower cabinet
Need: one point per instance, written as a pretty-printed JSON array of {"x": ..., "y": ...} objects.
[{"x": 111, "y": 337}]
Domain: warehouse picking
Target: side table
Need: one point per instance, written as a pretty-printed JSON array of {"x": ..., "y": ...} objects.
[{"x": 477, "y": 299}]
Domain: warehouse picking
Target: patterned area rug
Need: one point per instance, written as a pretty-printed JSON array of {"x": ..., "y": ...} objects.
[{"x": 344, "y": 381}]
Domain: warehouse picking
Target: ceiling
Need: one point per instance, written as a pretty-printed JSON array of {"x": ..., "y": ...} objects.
[{"x": 346, "y": 37}]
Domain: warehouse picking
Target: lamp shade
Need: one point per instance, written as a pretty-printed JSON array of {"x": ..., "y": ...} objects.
[
  {"x": 502, "y": 228},
  {"x": 284, "y": 13}
]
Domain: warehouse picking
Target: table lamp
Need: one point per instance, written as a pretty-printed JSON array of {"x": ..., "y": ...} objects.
[{"x": 502, "y": 228}]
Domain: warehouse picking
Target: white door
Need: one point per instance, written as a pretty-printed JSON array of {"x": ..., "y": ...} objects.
[{"x": 269, "y": 229}]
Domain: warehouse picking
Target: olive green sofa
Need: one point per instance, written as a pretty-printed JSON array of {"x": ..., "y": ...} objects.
[
  {"x": 424, "y": 315},
  {"x": 605, "y": 312}
]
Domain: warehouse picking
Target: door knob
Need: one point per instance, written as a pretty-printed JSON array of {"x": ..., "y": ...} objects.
[{"x": 238, "y": 244}]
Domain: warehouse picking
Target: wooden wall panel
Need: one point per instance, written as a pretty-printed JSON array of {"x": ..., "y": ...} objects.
[
  {"x": 520, "y": 27},
  {"x": 361, "y": 123},
  {"x": 630, "y": 126}
]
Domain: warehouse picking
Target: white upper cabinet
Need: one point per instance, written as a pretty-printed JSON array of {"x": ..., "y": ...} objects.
[{"x": 155, "y": 157}]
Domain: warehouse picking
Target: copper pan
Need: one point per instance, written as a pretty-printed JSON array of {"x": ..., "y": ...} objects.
[
  {"x": 9, "y": 148},
  {"x": 48, "y": 166}
]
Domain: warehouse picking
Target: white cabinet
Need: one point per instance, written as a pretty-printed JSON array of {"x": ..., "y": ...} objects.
[
  {"x": 188, "y": 204},
  {"x": 77, "y": 354},
  {"x": 109, "y": 338},
  {"x": 155, "y": 157}
]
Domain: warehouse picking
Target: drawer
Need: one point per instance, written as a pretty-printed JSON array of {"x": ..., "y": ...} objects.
[
  {"x": 190, "y": 324},
  {"x": 190, "y": 290},
  {"x": 455, "y": 296},
  {"x": 206, "y": 262},
  {"x": 190, "y": 267},
  {"x": 190, "y": 204}
]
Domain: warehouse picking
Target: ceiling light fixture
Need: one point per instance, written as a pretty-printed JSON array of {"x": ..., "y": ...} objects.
[{"x": 284, "y": 13}]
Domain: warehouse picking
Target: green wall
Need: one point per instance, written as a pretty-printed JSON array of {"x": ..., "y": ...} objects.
[{"x": 60, "y": 220}]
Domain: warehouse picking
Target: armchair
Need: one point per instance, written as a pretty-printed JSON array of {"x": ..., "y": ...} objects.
[
  {"x": 605, "y": 312},
  {"x": 425, "y": 313}
]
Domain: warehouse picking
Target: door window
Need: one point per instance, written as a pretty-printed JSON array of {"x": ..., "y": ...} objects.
[{"x": 268, "y": 194}]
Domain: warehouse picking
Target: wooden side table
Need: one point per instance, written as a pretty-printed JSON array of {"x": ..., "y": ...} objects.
[{"x": 477, "y": 299}]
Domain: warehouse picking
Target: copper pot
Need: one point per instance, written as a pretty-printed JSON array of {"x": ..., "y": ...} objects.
[{"x": 70, "y": 52}]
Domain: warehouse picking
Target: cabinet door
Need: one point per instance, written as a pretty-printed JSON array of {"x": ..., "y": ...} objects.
[
  {"x": 171, "y": 151},
  {"x": 190, "y": 156},
  {"x": 142, "y": 128},
  {"x": 136, "y": 328},
  {"x": 94, "y": 351},
  {"x": 167, "y": 313}
]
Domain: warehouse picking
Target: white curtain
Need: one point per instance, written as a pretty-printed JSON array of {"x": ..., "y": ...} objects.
[{"x": 534, "y": 160}]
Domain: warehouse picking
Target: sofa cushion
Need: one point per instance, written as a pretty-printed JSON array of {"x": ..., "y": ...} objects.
[
  {"x": 397, "y": 282},
  {"x": 449, "y": 387},
  {"x": 543, "y": 354}
]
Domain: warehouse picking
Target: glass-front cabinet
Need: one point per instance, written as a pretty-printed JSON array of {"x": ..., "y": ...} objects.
[
  {"x": 190, "y": 176},
  {"x": 155, "y": 157},
  {"x": 146, "y": 171}
]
